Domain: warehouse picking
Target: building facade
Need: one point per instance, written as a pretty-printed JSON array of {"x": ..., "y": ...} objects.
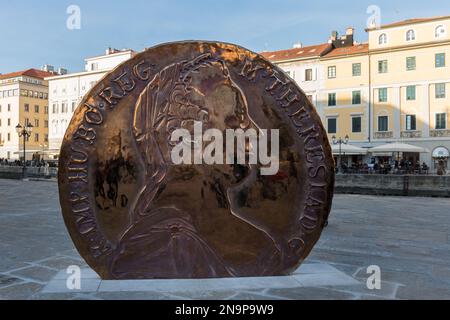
[
  {"x": 303, "y": 65},
  {"x": 410, "y": 83},
  {"x": 23, "y": 100},
  {"x": 66, "y": 91},
  {"x": 393, "y": 88}
]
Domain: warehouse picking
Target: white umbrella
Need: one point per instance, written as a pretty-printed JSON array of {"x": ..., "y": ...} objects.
[
  {"x": 397, "y": 147},
  {"x": 348, "y": 149}
]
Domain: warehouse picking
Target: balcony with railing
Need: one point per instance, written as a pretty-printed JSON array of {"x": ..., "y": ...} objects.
[
  {"x": 411, "y": 134},
  {"x": 383, "y": 135},
  {"x": 439, "y": 133}
]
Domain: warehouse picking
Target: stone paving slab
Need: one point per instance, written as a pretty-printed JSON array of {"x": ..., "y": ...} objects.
[{"x": 308, "y": 275}]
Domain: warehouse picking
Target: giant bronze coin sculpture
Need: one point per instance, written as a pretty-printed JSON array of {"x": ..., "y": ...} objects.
[{"x": 135, "y": 213}]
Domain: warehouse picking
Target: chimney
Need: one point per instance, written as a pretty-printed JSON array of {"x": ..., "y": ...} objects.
[
  {"x": 334, "y": 35},
  {"x": 48, "y": 68},
  {"x": 111, "y": 51},
  {"x": 343, "y": 41},
  {"x": 298, "y": 45}
]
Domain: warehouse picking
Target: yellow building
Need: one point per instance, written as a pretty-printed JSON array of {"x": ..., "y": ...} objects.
[
  {"x": 23, "y": 99},
  {"x": 393, "y": 88},
  {"x": 410, "y": 83}
]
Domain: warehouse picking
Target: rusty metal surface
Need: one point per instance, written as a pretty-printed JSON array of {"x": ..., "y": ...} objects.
[{"x": 133, "y": 214}]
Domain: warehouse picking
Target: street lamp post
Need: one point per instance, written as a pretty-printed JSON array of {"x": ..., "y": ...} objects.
[
  {"x": 24, "y": 132},
  {"x": 340, "y": 141}
]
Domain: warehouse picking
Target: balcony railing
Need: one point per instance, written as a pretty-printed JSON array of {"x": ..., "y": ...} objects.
[
  {"x": 383, "y": 135},
  {"x": 439, "y": 133},
  {"x": 411, "y": 134}
]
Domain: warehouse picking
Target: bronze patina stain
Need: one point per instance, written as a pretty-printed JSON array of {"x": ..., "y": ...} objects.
[{"x": 133, "y": 214}]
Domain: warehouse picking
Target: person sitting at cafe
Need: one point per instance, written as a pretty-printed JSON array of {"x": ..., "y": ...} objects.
[{"x": 425, "y": 167}]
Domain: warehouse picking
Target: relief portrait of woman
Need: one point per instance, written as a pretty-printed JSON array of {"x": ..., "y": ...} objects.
[{"x": 204, "y": 233}]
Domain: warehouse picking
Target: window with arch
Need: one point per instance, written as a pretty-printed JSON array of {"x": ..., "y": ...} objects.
[
  {"x": 440, "y": 31},
  {"x": 382, "y": 39},
  {"x": 410, "y": 35}
]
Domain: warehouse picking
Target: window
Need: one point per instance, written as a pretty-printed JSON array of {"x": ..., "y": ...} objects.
[
  {"x": 0, "y": 108},
  {"x": 439, "y": 31},
  {"x": 46, "y": 138},
  {"x": 356, "y": 97},
  {"x": 382, "y": 66},
  {"x": 411, "y": 122},
  {"x": 27, "y": 107},
  {"x": 332, "y": 124},
  {"x": 308, "y": 75},
  {"x": 331, "y": 99},
  {"x": 356, "y": 124},
  {"x": 410, "y": 35},
  {"x": 331, "y": 72},
  {"x": 36, "y": 137},
  {"x": 9, "y": 107},
  {"x": 9, "y": 122},
  {"x": 46, "y": 123},
  {"x": 356, "y": 69},
  {"x": 382, "y": 39},
  {"x": 410, "y": 63},
  {"x": 36, "y": 109},
  {"x": 382, "y": 95},
  {"x": 9, "y": 136},
  {"x": 440, "y": 90},
  {"x": 36, "y": 123},
  {"x": 441, "y": 121},
  {"x": 74, "y": 104},
  {"x": 46, "y": 109},
  {"x": 440, "y": 60},
  {"x": 55, "y": 108},
  {"x": 383, "y": 123},
  {"x": 411, "y": 93},
  {"x": 94, "y": 66}
]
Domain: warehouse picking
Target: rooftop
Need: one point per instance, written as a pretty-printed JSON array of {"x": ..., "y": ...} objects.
[
  {"x": 35, "y": 73},
  {"x": 297, "y": 53},
  {"x": 409, "y": 21},
  {"x": 110, "y": 52},
  {"x": 347, "y": 51}
]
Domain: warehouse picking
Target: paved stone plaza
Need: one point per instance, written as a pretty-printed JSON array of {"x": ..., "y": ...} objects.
[{"x": 408, "y": 238}]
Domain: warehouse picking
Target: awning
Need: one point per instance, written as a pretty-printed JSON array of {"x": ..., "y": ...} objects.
[
  {"x": 348, "y": 150},
  {"x": 441, "y": 152},
  {"x": 398, "y": 147}
]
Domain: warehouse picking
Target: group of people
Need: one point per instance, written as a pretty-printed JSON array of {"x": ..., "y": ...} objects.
[
  {"x": 403, "y": 166},
  {"x": 29, "y": 163}
]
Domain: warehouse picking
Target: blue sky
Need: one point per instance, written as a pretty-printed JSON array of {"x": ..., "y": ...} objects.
[{"x": 33, "y": 33}]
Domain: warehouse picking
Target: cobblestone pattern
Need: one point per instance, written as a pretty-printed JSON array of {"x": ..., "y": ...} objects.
[{"x": 408, "y": 238}]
